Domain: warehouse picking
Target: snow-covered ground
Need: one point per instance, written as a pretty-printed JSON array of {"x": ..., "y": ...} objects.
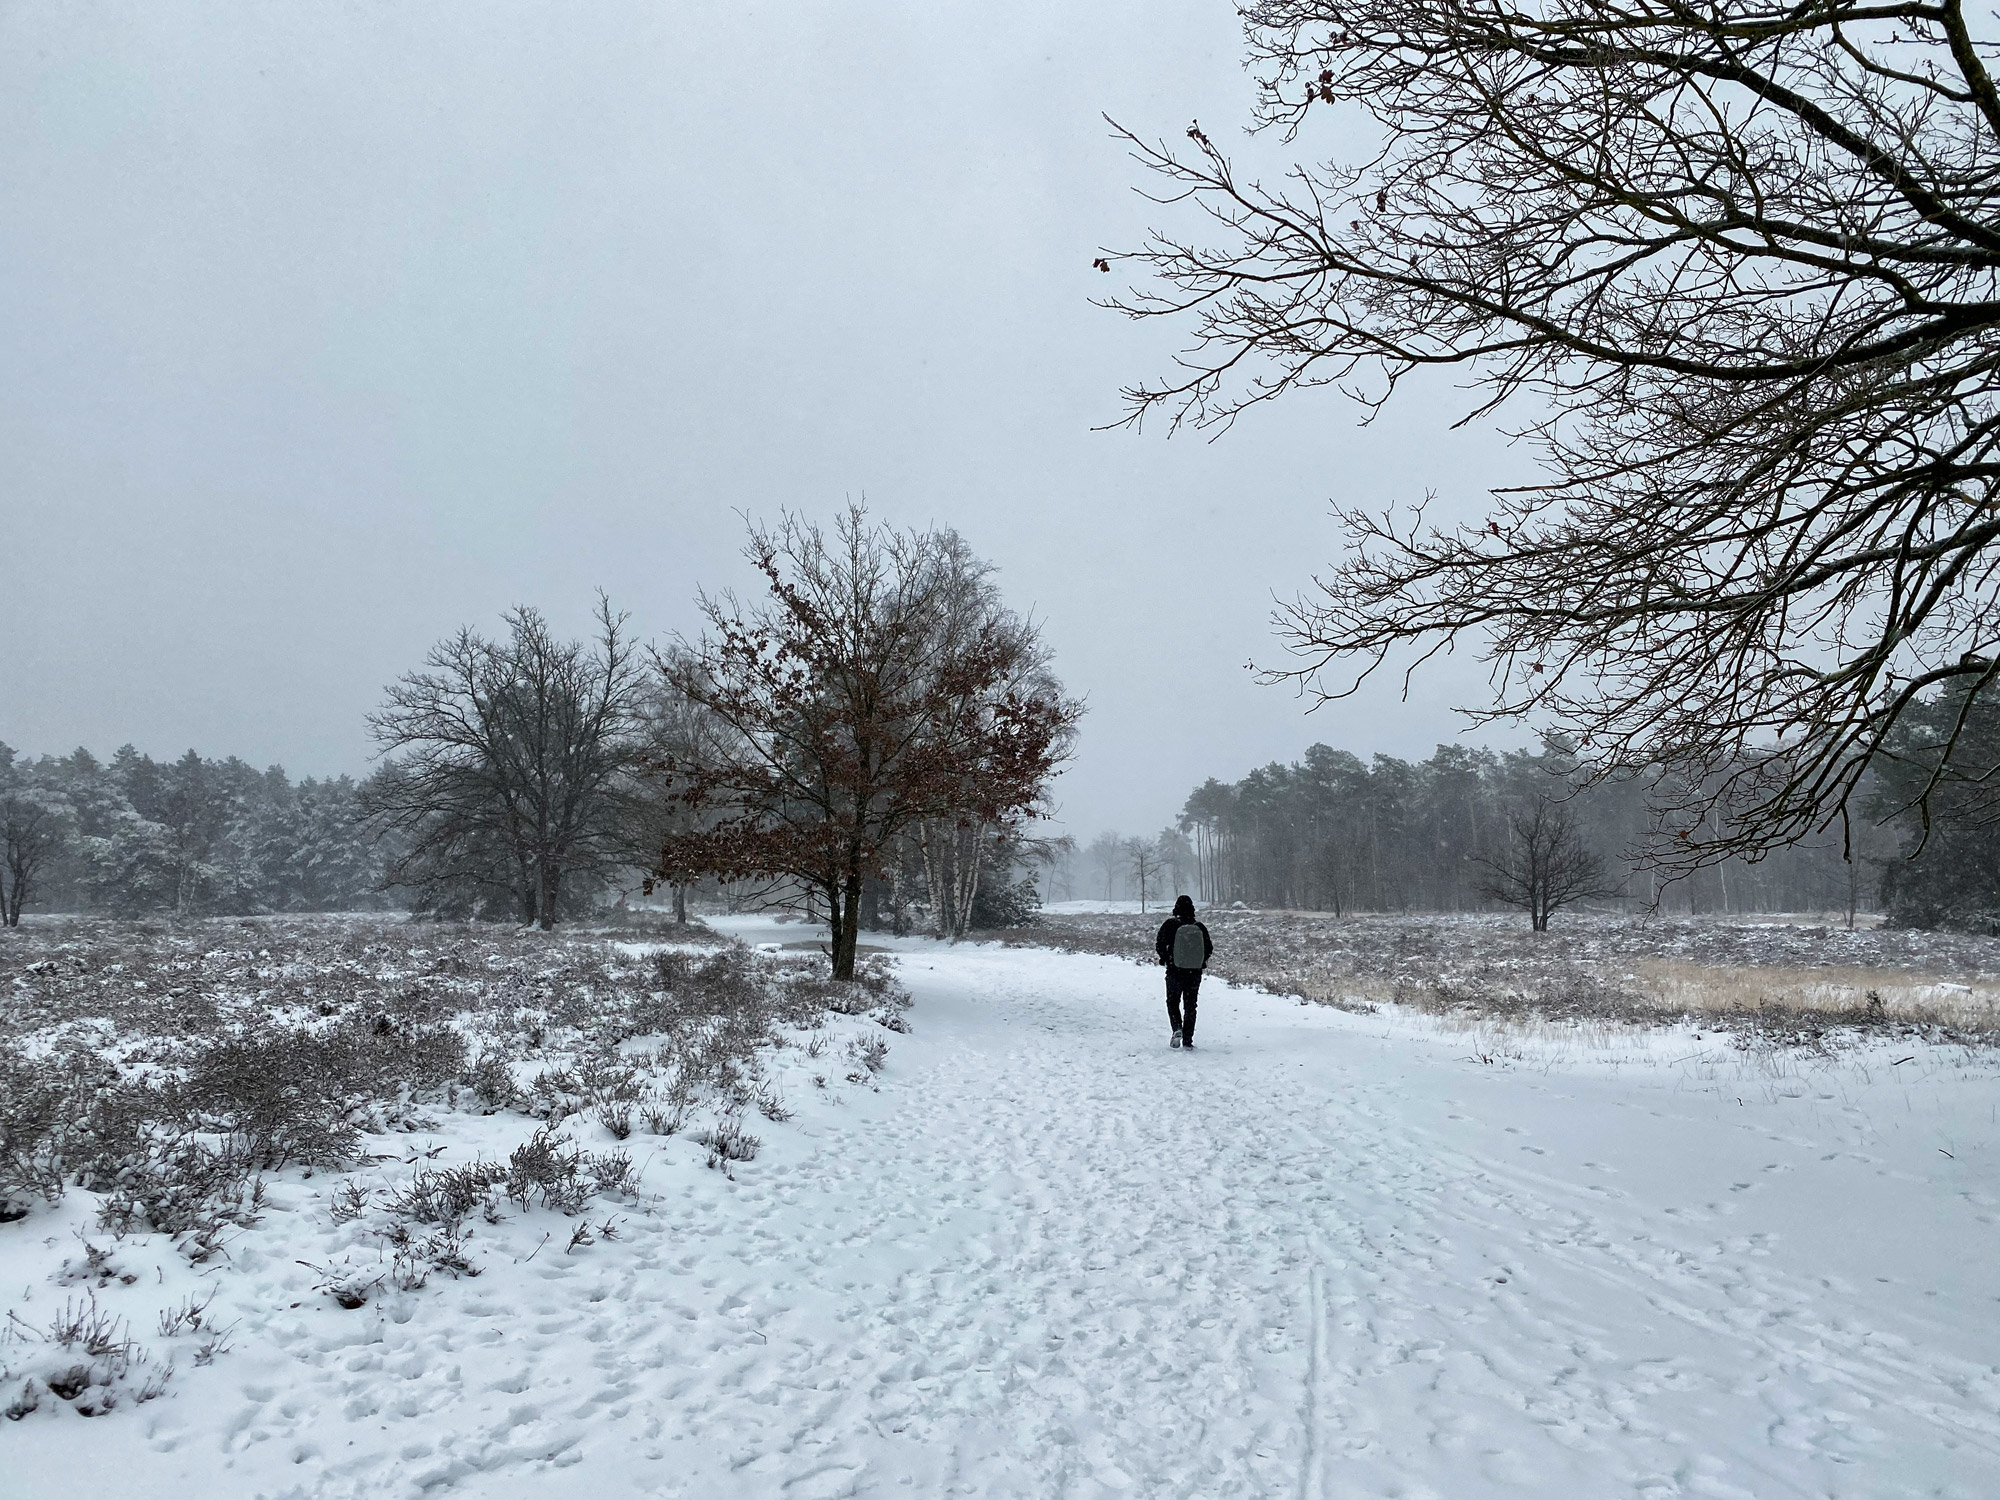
[
  {"x": 1093, "y": 907},
  {"x": 1324, "y": 1254}
]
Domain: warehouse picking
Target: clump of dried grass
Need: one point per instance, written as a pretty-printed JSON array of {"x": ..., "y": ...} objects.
[{"x": 1857, "y": 995}]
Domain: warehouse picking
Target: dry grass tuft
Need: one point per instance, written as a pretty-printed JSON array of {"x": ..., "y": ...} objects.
[{"x": 1861, "y": 995}]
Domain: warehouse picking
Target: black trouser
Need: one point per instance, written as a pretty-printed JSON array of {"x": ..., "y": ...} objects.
[{"x": 1182, "y": 985}]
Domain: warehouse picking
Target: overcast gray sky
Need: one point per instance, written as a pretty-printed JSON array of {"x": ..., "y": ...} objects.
[{"x": 330, "y": 327}]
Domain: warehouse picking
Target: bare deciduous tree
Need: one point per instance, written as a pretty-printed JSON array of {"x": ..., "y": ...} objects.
[
  {"x": 1177, "y": 858},
  {"x": 36, "y": 821},
  {"x": 1545, "y": 865},
  {"x": 511, "y": 757},
  {"x": 1107, "y": 853},
  {"x": 675, "y": 732},
  {"x": 1142, "y": 864},
  {"x": 1737, "y": 264},
  {"x": 880, "y": 688}
]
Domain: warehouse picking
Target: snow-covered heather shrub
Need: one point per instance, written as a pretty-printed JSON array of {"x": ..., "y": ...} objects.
[
  {"x": 867, "y": 1054},
  {"x": 674, "y": 970},
  {"x": 282, "y": 1095},
  {"x": 728, "y": 1141},
  {"x": 288, "y": 1093},
  {"x": 191, "y": 1316},
  {"x": 421, "y": 1221},
  {"x": 607, "y": 1078},
  {"x": 561, "y": 1175},
  {"x": 349, "y": 1201},
  {"x": 875, "y": 986},
  {"x": 718, "y": 1013},
  {"x": 725, "y": 987},
  {"x": 35, "y": 1118},
  {"x": 1568, "y": 995},
  {"x": 170, "y": 1068},
  {"x": 666, "y": 1112},
  {"x": 492, "y": 1082},
  {"x": 416, "y": 1259},
  {"x": 86, "y": 1358},
  {"x": 591, "y": 1084},
  {"x": 612, "y": 1173},
  {"x": 348, "y": 1286},
  {"x": 555, "y": 1094},
  {"x": 64, "y": 1115},
  {"x": 448, "y": 1195},
  {"x": 188, "y": 1188}
]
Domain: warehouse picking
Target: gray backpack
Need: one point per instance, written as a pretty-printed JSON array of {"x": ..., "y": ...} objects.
[{"x": 1190, "y": 947}]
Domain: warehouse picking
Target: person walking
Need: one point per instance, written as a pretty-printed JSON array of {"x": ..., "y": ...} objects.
[{"x": 1185, "y": 948}]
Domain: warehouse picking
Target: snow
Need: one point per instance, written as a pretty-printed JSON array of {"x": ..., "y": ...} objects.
[
  {"x": 1324, "y": 1254},
  {"x": 1107, "y": 908}
]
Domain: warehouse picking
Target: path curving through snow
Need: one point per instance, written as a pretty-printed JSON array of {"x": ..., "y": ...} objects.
[{"x": 1323, "y": 1255}]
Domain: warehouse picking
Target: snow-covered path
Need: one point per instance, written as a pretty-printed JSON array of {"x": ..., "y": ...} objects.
[{"x": 1322, "y": 1255}]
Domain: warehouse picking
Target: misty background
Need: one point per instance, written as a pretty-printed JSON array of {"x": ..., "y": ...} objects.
[{"x": 331, "y": 329}]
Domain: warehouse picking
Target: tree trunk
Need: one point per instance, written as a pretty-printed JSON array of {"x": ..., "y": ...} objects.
[
  {"x": 966, "y": 847},
  {"x": 545, "y": 903},
  {"x": 526, "y": 873},
  {"x": 680, "y": 905},
  {"x": 936, "y": 887},
  {"x": 846, "y": 916}
]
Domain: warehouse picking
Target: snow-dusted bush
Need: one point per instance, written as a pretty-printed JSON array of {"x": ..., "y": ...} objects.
[
  {"x": 556, "y": 1172},
  {"x": 492, "y": 1081},
  {"x": 64, "y": 1114},
  {"x": 868, "y": 1055},
  {"x": 187, "y": 1188},
  {"x": 35, "y": 1115},
  {"x": 448, "y": 1195},
  {"x": 728, "y": 1141},
  {"x": 85, "y": 1357}
]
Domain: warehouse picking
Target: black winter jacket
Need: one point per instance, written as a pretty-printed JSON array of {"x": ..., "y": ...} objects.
[{"x": 1164, "y": 943}]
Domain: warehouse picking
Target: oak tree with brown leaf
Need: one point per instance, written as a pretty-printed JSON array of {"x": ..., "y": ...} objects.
[{"x": 878, "y": 685}]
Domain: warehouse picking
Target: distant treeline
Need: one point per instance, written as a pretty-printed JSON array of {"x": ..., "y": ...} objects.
[
  {"x": 1328, "y": 832},
  {"x": 1331, "y": 832},
  {"x": 189, "y": 837}
]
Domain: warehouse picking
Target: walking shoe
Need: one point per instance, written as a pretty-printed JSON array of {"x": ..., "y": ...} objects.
[
  {"x": 1189, "y": 1044},
  {"x": 1176, "y": 1041}
]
